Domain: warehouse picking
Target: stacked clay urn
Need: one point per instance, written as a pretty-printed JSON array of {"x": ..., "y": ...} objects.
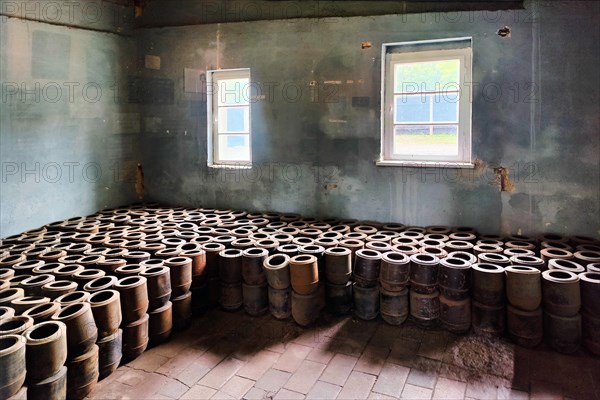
[
  {"x": 133, "y": 292},
  {"x": 277, "y": 273},
  {"x": 46, "y": 354},
  {"x": 82, "y": 351},
  {"x": 160, "y": 308},
  {"x": 160, "y": 263}
]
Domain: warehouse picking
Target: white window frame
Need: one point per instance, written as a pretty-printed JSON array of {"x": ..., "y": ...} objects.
[
  {"x": 212, "y": 82},
  {"x": 390, "y": 58}
]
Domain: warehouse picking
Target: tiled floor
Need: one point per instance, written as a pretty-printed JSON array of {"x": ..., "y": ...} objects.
[{"x": 233, "y": 356}]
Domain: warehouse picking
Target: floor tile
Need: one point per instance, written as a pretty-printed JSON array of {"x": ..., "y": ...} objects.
[
  {"x": 412, "y": 392},
  {"x": 255, "y": 394},
  {"x": 305, "y": 377},
  {"x": 357, "y": 386},
  {"x": 285, "y": 394},
  {"x": 237, "y": 386},
  {"x": 273, "y": 380},
  {"x": 324, "y": 391},
  {"x": 448, "y": 389},
  {"x": 221, "y": 373},
  {"x": 173, "y": 388},
  {"x": 426, "y": 379},
  {"x": 192, "y": 373},
  {"x": 391, "y": 380},
  {"x": 148, "y": 362},
  {"x": 372, "y": 360},
  {"x": 198, "y": 392},
  {"x": 338, "y": 369},
  {"x": 319, "y": 355},
  {"x": 258, "y": 364},
  {"x": 291, "y": 359}
]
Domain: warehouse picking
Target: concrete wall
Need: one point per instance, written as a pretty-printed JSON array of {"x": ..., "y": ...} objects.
[
  {"x": 535, "y": 112},
  {"x": 69, "y": 139}
]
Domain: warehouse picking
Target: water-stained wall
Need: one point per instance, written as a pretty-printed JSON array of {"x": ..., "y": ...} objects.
[
  {"x": 69, "y": 137},
  {"x": 535, "y": 113}
]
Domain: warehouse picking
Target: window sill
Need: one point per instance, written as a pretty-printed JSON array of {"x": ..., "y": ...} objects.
[
  {"x": 424, "y": 164},
  {"x": 230, "y": 166}
]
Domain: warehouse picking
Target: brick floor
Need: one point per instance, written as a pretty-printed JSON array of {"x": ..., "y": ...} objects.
[{"x": 235, "y": 356}]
